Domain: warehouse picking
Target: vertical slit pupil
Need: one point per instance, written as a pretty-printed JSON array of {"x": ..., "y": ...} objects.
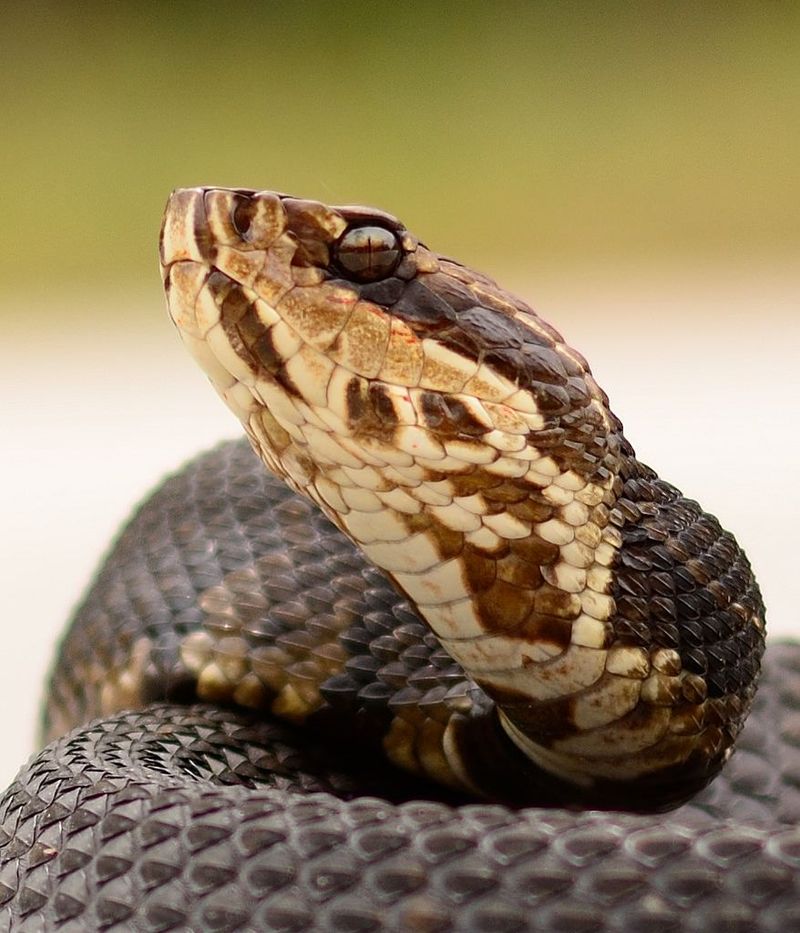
[{"x": 368, "y": 253}]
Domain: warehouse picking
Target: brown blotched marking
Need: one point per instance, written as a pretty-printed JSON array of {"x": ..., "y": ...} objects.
[
  {"x": 576, "y": 428},
  {"x": 370, "y": 409},
  {"x": 239, "y": 321},
  {"x": 449, "y": 542},
  {"x": 381, "y": 402},
  {"x": 449, "y": 416}
]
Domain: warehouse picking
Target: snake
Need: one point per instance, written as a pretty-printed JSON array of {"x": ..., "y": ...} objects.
[{"x": 455, "y": 660}]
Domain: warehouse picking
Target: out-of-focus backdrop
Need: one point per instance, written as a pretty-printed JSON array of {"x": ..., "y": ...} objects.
[{"x": 632, "y": 170}]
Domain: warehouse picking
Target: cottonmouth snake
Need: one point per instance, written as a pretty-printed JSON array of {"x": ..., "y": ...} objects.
[{"x": 603, "y": 635}]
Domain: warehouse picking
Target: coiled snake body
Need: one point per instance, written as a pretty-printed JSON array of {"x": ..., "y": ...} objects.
[{"x": 562, "y": 628}]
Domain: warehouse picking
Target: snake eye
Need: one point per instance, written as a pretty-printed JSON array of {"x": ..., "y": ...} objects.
[{"x": 367, "y": 254}]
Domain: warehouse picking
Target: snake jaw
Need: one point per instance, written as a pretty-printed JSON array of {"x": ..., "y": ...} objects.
[{"x": 468, "y": 451}]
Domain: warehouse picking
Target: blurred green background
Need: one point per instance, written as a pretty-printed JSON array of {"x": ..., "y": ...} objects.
[
  {"x": 510, "y": 134},
  {"x": 632, "y": 169}
]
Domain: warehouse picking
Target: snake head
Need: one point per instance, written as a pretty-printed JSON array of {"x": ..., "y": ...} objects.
[{"x": 466, "y": 448}]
